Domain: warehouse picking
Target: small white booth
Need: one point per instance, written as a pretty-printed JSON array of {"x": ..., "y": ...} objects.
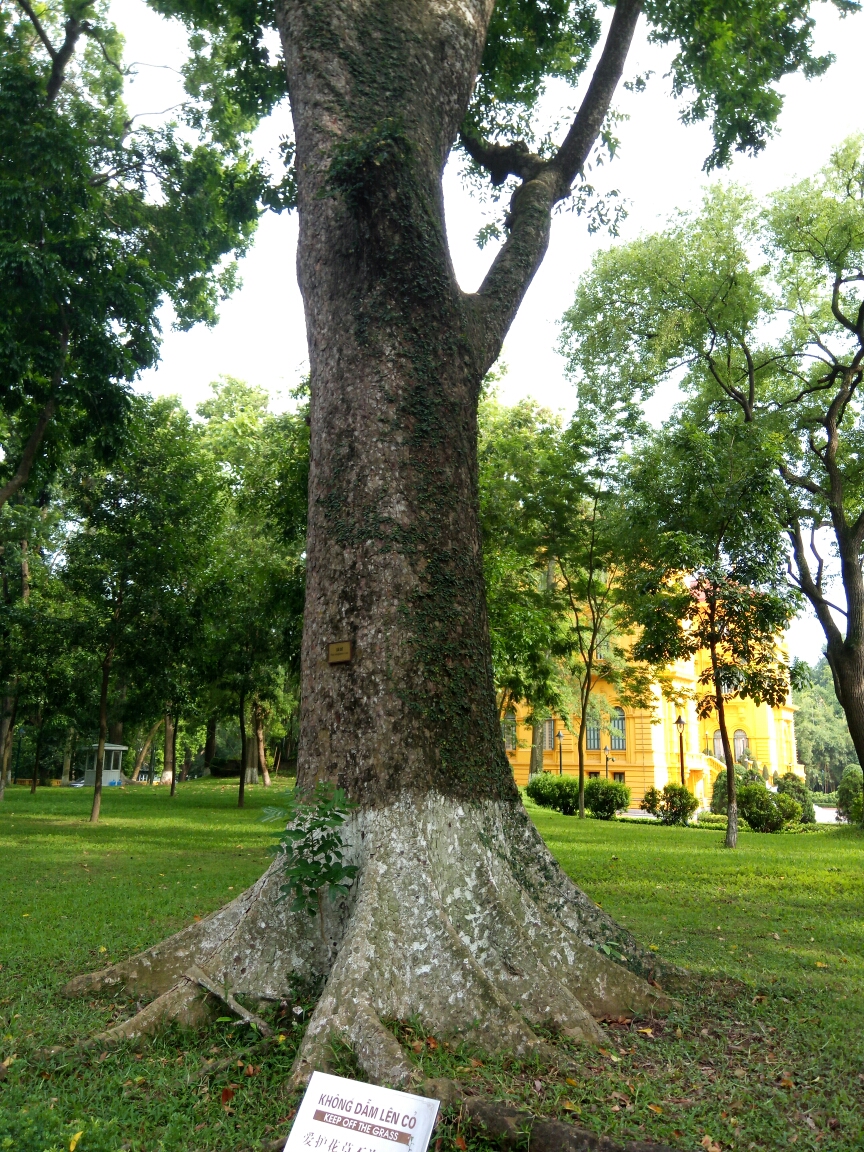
[{"x": 112, "y": 765}]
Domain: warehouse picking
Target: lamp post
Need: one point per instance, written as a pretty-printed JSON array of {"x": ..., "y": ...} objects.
[
  {"x": 560, "y": 752},
  {"x": 608, "y": 758},
  {"x": 679, "y": 724}
]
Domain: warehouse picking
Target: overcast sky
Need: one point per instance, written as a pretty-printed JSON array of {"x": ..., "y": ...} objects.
[{"x": 261, "y": 333}]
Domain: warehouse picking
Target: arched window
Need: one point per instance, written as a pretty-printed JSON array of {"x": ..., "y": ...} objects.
[
  {"x": 508, "y": 731},
  {"x": 718, "y": 745},
  {"x": 548, "y": 735},
  {"x": 592, "y": 737},
  {"x": 616, "y": 730},
  {"x": 741, "y": 744}
]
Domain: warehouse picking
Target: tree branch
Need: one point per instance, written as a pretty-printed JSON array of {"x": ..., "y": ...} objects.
[
  {"x": 22, "y": 473},
  {"x": 544, "y": 184},
  {"x": 40, "y": 30}
]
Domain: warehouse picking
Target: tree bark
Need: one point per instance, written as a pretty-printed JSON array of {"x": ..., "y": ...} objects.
[
  {"x": 261, "y": 748},
  {"x": 142, "y": 753},
  {"x": 168, "y": 755},
  {"x": 187, "y": 763},
  {"x": 250, "y": 764},
  {"x": 103, "y": 732},
  {"x": 458, "y": 915},
  {"x": 241, "y": 792},
  {"x": 37, "y": 753}
]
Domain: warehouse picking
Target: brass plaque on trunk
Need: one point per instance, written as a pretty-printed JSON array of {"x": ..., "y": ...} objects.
[{"x": 339, "y": 653}]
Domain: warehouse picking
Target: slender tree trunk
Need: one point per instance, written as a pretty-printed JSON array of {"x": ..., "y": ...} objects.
[
  {"x": 175, "y": 726},
  {"x": 210, "y": 743},
  {"x": 67, "y": 757},
  {"x": 261, "y": 748},
  {"x": 167, "y": 760},
  {"x": 731, "y": 792},
  {"x": 277, "y": 759},
  {"x": 536, "y": 764},
  {"x": 241, "y": 795},
  {"x": 152, "y": 779},
  {"x": 103, "y": 733},
  {"x": 187, "y": 764},
  {"x": 22, "y": 472},
  {"x": 580, "y": 739},
  {"x": 7, "y": 725},
  {"x": 142, "y": 753},
  {"x": 38, "y": 752}
]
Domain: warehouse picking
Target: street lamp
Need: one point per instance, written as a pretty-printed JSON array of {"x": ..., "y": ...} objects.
[
  {"x": 679, "y": 724},
  {"x": 608, "y": 758},
  {"x": 560, "y": 752}
]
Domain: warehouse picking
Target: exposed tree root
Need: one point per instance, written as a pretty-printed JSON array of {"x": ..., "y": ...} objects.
[{"x": 459, "y": 917}]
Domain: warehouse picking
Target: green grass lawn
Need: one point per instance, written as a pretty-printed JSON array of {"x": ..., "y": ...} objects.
[{"x": 765, "y": 1052}]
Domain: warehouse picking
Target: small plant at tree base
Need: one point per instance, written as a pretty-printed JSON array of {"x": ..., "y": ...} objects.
[
  {"x": 560, "y": 793},
  {"x": 312, "y": 847},
  {"x": 603, "y": 798},
  {"x": 790, "y": 785},
  {"x": 764, "y": 811},
  {"x": 674, "y": 805}
]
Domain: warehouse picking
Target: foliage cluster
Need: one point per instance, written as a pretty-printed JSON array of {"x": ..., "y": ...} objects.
[
  {"x": 310, "y": 847},
  {"x": 790, "y": 785},
  {"x": 605, "y": 798},
  {"x": 849, "y": 795}
]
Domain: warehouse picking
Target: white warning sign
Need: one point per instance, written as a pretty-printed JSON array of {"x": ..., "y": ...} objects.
[{"x": 338, "y": 1115}]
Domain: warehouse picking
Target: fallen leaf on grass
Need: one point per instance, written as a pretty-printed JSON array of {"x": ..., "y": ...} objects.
[
  {"x": 476, "y": 1063},
  {"x": 432, "y": 1042},
  {"x": 819, "y": 964},
  {"x": 786, "y": 1083},
  {"x": 252, "y": 1069},
  {"x": 73, "y": 1143},
  {"x": 656, "y": 1108},
  {"x": 460, "y": 1143},
  {"x": 569, "y": 1106},
  {"x": 227, "y": 1095},
  {"x": 709, "y": 1145},
  {"x": 573, "y": 1083},
  {"x": 759, "y": 999},
  {"x": 609, "y": 1055},
  {"x": 417, "y": 1046},
  {"x": 646, "y": 1031}
]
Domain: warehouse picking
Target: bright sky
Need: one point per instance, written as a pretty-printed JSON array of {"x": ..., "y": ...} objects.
[{"x": 261, "y": 334}]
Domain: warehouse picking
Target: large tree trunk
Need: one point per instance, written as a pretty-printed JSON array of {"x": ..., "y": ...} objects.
[{"x": 458, "y": 915}]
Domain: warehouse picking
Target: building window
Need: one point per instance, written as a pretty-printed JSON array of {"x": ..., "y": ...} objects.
[
  {"x": 718, "y": 745},
  {"x": 741, "y": 743},
  {"x": 593, "y": 775},
  {"x": 616, "y": 731},
  {"x": 508, "y": 731},
  {"x": 618, "y": 777},
  {"x": 548, "y": 735},
  {"x": 592, "y": 738}
]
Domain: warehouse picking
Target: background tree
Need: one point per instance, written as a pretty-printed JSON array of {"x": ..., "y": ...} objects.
[
  {"x": 144, "y": 527},
  {"x": 822, "y": 737},
  {"x": 409, "y": 727},
  {"x": 706, "y": 570},
  {"x": 761, "y": 309},
  {"x": 101, "y": 221}
]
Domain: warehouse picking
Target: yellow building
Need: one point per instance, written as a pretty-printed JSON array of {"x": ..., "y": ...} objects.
[{"x": 642, "y": 747}]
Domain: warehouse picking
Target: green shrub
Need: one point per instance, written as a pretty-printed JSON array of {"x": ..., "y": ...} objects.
[
  {"x": 560, "y": 793},
  {"x": 711, "y": 820},
  {"x": 766, "y": 812},
  {"x": 849, "y": 795},
  {"x": 603, "y": 798},
  {"x": 674, "y": 805},
  {"x": 790, "y": 785},
  {"x": 759, "y": 808}
]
